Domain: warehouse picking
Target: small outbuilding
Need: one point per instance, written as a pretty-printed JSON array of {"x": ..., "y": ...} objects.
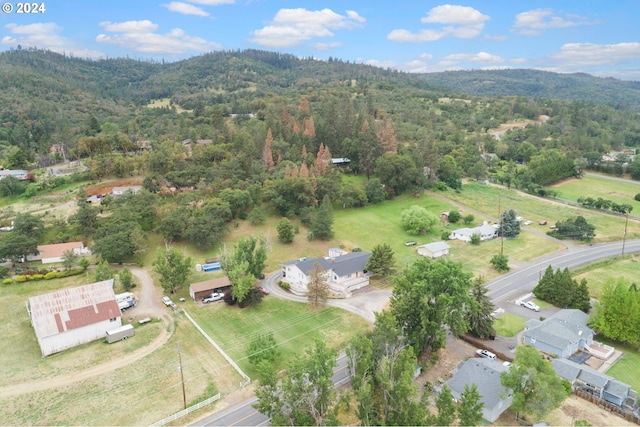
[
  {"x": 55, "y": 252},
  {"x": 70, "y": 317},
  {"x": 434, "y": 250},
  {"x": 200, "y": 290}
]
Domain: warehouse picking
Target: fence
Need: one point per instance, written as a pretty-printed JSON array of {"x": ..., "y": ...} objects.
[
  {"x": 627, "y": 415},
  {"x": 184, "y": 412}
]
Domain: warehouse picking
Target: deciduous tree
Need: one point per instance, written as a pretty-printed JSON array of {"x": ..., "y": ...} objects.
[
  {"x": 617, "y": 314},
  {"x": 417, "y": 220},
  {"x": 285, "y": 230},
  {"x": 174, "y": 269}
]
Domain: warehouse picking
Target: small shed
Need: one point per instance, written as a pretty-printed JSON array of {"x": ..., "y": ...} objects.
[
  {"x": 434, "y": 250},
  {"x": 200, "y": 290}
]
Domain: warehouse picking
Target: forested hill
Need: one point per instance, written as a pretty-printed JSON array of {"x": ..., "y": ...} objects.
[{"x": 541, "y": 84}]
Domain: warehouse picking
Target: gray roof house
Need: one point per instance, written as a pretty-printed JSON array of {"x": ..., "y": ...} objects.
[
  {"x": 562, "y": 334},
  {"x": 591, "y": 381},
  {"x": 484, "y": 231},
  {"x": 434, "y": 250},
  {"x": 344, "y": 273},
  {"x": 485, "y": 374}
]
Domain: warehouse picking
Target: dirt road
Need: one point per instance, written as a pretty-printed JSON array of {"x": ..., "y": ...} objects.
[{"x": 149, "y": 305}]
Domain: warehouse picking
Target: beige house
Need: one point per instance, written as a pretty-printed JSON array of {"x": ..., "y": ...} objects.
[
  {"x": 434, "y": 250},
  {"x": 55, "y": 252}
]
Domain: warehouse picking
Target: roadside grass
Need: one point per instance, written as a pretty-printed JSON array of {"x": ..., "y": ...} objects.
[
  {"x": 599, "y": 272},
  {"x": 623, "y": 369},
  {"x": 508, "y": 324},
  {"x": 295, "y": 326},
  {"x": 597, "y": 186},
  {"x": 485, "y": 198},
  {"x": 136, "y": 394}
]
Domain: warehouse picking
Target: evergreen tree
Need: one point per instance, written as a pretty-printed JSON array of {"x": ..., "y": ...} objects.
[
  {"x": 103, "y": 272},
  {"x": 445, "y": 407},
  {"x": 382, "y": 260},
  {"x": 480, "y": 311},
  {"x": 126, "y": 278},
  {"x": 318, "y": 287},
  {"x": 509, "y": 225},
  {"x": 470, "y": 409},
  {"x": 285, "y": 230},
  {"x": 322, "y": 225}
]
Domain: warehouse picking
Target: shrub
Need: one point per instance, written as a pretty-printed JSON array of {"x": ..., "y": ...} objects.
[
  {"x": 475, "y": 239},
  {"x": 284, "y": 285},
  {"x": 445, "y": 235},
  {"x": 34, "y": 277},
  {"x": 21, "y": 278},
  {"x": 7, "y": 281},
  {"x": 637, "y": 197},
  {"x": 51, "y": 275}
]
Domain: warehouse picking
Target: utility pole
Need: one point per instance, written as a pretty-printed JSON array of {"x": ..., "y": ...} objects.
[
  {"x": 184, "y": 393},
  {"x": 501, "y": 226},
  {"x": 624, "y": 236}
]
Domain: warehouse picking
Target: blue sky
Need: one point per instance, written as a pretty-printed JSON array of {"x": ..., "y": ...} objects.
[{"x": 593, "y": 36}]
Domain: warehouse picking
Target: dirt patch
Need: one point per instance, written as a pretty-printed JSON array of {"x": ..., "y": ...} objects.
[{"x": 106, "y": 187}]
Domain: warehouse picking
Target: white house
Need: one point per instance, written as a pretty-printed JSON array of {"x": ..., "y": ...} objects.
[
  {"x": 344, "y": 273},
  {"x": 55, "y": 252},
  {"x": 434, "y": 250},
  {"x": 70, "y": 317},
  {"x": 485, "y": 374},
  {"x": 119, "y": 191},
  {"x": 484, "y": 231}
]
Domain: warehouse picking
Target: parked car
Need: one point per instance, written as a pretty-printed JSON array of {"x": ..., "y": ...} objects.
[
  {"x": 264, "y": 290},
  {"x": 216, "y": 296},
  {"x": 528, "y": 222},
  {"x": 543, "y": 222},
  {"x": 530, "y": 305},
  {"x": 167, "y": 301},
  {"x": 485, "y": 353}
]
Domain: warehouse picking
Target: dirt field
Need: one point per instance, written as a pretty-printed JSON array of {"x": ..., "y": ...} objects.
[
  {"x": 106, "y": 187},
  {"x": 573, "y": 408}
]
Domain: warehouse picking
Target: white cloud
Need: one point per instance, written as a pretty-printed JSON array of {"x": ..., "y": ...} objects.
[
  {"x": 140, "y": 36},
  {"x": 458, "y": 21},
  {"x": 326, "y": 46},
  {"x": 185, "y": 8},
  {"x": 532, "y": 22},
  {"x": 380, "y": 64},
  {"x": 480, "y": 57},
  {"x": 290, "y": 27},
  {"x": 589, "y": 54},
  {"x": 46, "y": 36}
]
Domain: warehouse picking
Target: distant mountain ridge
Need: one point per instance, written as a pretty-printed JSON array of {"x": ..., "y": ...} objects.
[{"x": 541, "y": 84}]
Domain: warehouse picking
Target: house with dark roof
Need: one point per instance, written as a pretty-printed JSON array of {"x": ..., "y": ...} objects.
[
  {"x": 596, "y": 383},
  {"x": 485, "y": 374},
  {"x": 562, "y": 334},
  {"x": 200, "y": 290},
  {"x": 344, "y": 273},
  {"x": 70, "y": 317}
]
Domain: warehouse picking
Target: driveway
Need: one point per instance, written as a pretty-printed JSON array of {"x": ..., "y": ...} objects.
[{"x": 365, "y": 302}]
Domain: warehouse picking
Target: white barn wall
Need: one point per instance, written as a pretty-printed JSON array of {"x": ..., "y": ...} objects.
[{"x": 55, "y": 343}]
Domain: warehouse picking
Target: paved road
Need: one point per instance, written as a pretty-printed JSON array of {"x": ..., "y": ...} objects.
[{"x": 504, "y": 290}]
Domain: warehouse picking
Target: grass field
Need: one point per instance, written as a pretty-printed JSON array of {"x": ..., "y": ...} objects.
[
  {"x": 509, "y": 324},
  {"x": 596, "y": 186},
  {"x": 624, "y": 368},
  {"x": 599, "y": 272}
]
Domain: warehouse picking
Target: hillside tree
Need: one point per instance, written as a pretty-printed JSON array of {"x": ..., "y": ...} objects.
[{"x": 174, "y": 269}]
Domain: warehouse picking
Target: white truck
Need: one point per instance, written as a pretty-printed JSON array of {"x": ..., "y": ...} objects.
[{"x": 121, "y": 333}]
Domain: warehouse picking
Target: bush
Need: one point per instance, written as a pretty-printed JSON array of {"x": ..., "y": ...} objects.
[
  {"x": 445, "y": 235},
  {"x": 34, "y": 277},
  {"x": 7, "y": 281},
  {"x": 637, "y": 197},
  {"x": 284, "y": 285},
  {"x": 21, "y": 278},
  {"x": 475, "y": 239},
  {"x": 454, "y": 216},
  {"x": 51, "y": 275}
]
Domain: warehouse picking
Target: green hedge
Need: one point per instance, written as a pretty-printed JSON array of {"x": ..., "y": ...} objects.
[{"x": 50, "y": 275}]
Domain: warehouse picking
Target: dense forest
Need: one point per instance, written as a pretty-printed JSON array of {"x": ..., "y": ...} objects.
[{"x": 260, "y": 116}]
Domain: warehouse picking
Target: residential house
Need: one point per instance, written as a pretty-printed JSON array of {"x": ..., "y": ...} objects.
[
  {"x": 341, "y": 161},
  {"x": 20, "y": 174},
  {"x": 562, "y": 334},
  {"x": 485, "y": 374},
  {"x": 200, "y": 290},
  {"x": 596, "y": 383},
  {"x": 434, "y": 250},
  {"x": 55, "y": 253},
  {"x": 344, "y": 273},
  {"x": 119, "y": 191},
  {"x": 70, "y": 317},
  {"x": 485, "y": 232}
]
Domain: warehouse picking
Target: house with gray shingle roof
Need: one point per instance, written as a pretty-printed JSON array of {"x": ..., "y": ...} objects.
[
  {"x": 596, "y": 383},
  {"x": 344, "y": 273},
  {"x": 484, "y": 232},
  {"x": 562, "y": 334},
  {"x": 485, "y": 374},
  {"x": 434, "y": 250}
]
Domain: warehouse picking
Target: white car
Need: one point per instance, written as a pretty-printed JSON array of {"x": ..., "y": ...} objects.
[
  {"x": 530, "y": 305},
  {"x": 216, "y": 296},
  {"x": 485, "y": 353},
  {"x": 528, "y": 222},
  {"x": 167, "y": 301}
]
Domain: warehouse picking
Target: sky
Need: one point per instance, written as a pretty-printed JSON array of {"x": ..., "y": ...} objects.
[{"x": 599, "y": 37}]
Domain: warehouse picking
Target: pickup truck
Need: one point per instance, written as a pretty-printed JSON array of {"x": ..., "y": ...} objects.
[{"x": 167, "y": 301}]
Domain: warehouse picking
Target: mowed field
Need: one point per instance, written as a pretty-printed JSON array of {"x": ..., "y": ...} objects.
[{"x": 619, "y": 191}]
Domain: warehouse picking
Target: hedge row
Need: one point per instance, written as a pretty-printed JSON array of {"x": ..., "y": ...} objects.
[{"x": 50, "y": 275}]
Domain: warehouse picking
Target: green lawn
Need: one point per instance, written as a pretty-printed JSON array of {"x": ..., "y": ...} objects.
[
  {"x": 626, "y": 369},
  {"x": 597, "y": 186},
  {"x": 599, "y": 272},
  {"x": 508, "y": 324},
  {"x": 294, "y": 326}
]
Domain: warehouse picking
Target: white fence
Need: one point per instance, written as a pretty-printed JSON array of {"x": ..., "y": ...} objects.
[{"x": 184, "y": 412}]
